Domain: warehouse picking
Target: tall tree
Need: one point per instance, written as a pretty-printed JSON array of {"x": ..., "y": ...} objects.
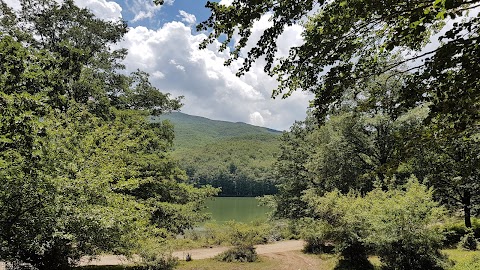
[
  {"x": 291, "y": 171},
  {"x": 452, "y": 166},
  {"x": 82, "y": 171},
  {"x": 364, "y": 143}
]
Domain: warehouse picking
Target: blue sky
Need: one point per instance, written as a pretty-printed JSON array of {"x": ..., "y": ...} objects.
[
  {"x": 163, "y": 42},
  {"x": 167, "y": 13}
]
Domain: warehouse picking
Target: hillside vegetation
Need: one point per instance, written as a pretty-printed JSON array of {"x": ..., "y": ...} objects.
[{"x": 236, "y": 157}]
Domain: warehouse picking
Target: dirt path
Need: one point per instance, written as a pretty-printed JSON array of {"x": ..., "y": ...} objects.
[
  {"x": 284, "y": 251},
  {"x": 285, "y": 255},
  {"x": 204, "y": 253},
  {"x": 296, "y": 260}
]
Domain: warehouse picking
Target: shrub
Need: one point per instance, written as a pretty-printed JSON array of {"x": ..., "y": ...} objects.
[
  {"x": 314, "y": 245},
  {"x": 238, "y": 254},
  {"x": 154, "y": 255},
  {"x": 247, "y": 234},
  {"x": 316, "y": 236},
  {"x": 401, "y": 228},
  {"x": 58, "y": 254},
  {"x": 454, "y": 231},
  {"x": 354, "y": 256},
  {"x": 156, "y": 262},
  {"x": 398, "y": 224},
  {"x": 280, "y": 230},
  {"x": 340, "y": 221},
  {"x": 468, "y": 241},
  {"x": 236, "y": 233}
]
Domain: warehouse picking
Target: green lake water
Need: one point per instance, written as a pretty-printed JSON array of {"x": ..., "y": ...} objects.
[{"x": 240, "y": 209}]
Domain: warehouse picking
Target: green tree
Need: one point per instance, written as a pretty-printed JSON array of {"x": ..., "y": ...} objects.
[
  {"x": 82, "y": 170},
  {"x": 291, "y": 171},
  {"x": 454, "y": 170},
  {"x": 366, "y": 141},
  {"x": 240, "y": 166}
]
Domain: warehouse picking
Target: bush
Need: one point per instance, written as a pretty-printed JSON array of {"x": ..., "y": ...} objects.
[
  {"x": 403, "y": 256},
  {"x": 354, "y": 257},
  {"x": 238, "y": 254},
  {"x": 58, "y": 254},
  {"x": 247, "y": 234},
  {"x": 398, "y": 224},
  {"x": 316, "y": 236},
  {"x": 154, "y": 255},
  {"x": 281, "y": 230},
  {"x": 315, "y": 245},
  {"x": 468, "y": 241},
  {"x": 340, "y": 223},
  {"x": 236, "y": 233},
  {"x": 401, "y": 224},
  {"x": 454, "y": 231},
  {"x": 157, "y": 262}
]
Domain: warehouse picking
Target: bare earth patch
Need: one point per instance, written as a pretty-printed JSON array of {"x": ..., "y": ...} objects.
[
  {"x": 295, "y": 260},
  {"x": 206, "y": 253}
]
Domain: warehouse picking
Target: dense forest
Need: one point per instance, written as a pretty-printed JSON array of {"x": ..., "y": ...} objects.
[{"x": 236, "y": 157}]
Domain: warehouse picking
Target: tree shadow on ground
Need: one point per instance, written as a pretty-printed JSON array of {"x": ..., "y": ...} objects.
[
  {"x": 344, "y": 264},
  {"x": 105, "y": 267}
]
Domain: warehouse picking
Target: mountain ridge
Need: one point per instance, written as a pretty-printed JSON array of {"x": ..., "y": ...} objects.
[{"x": 193, "y": 131}]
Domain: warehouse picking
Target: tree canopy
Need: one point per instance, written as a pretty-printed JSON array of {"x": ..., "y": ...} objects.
[
  {"x": 344, "y": 42},
  {"x": 82, "y": 169}
]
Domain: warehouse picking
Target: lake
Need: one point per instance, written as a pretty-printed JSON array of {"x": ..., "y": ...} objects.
[{"x": 241, "y": 209}]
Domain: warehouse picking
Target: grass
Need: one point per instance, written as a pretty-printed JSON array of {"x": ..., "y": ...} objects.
[
  {"x": 375, "y": 261},
  {"x": 464, "y": 260},
  {"x": 327, "y": 262},
  {"x": 212, "y": 264},
  {"x": 113, "y": 267}
]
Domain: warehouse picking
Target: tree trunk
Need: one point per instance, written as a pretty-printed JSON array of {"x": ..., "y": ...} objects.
[{"x": 466, "y": 208}]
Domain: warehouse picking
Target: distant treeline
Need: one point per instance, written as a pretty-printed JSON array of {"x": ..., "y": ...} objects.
[
  {"x": 241, "y": 166},
  {"x": 236, "y": 184}
]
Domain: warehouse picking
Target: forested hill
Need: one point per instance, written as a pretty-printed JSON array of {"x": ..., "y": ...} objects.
[
  {"x": 237, "y": 157},
  {"x": 193, "y": 131}
]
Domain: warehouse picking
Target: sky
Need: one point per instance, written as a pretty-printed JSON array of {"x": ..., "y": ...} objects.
[{"x": 162, "y": 41}]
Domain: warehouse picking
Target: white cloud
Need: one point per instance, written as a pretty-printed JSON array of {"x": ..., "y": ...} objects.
[
  {"x": 177, "y": 66},
  {"x": 256, "y": 119},
  {"x": 210, "y": 88},
  {"x": 171, "y": 55},
  {"x": 226, "y": 2},
  {"x": 15, "y": 4},
  {"x": 158, "y": 75},
  {"x": 188, "y": 18},
  {"x": 144, "y": 9},
  {"x": 103, "y": 9}
]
